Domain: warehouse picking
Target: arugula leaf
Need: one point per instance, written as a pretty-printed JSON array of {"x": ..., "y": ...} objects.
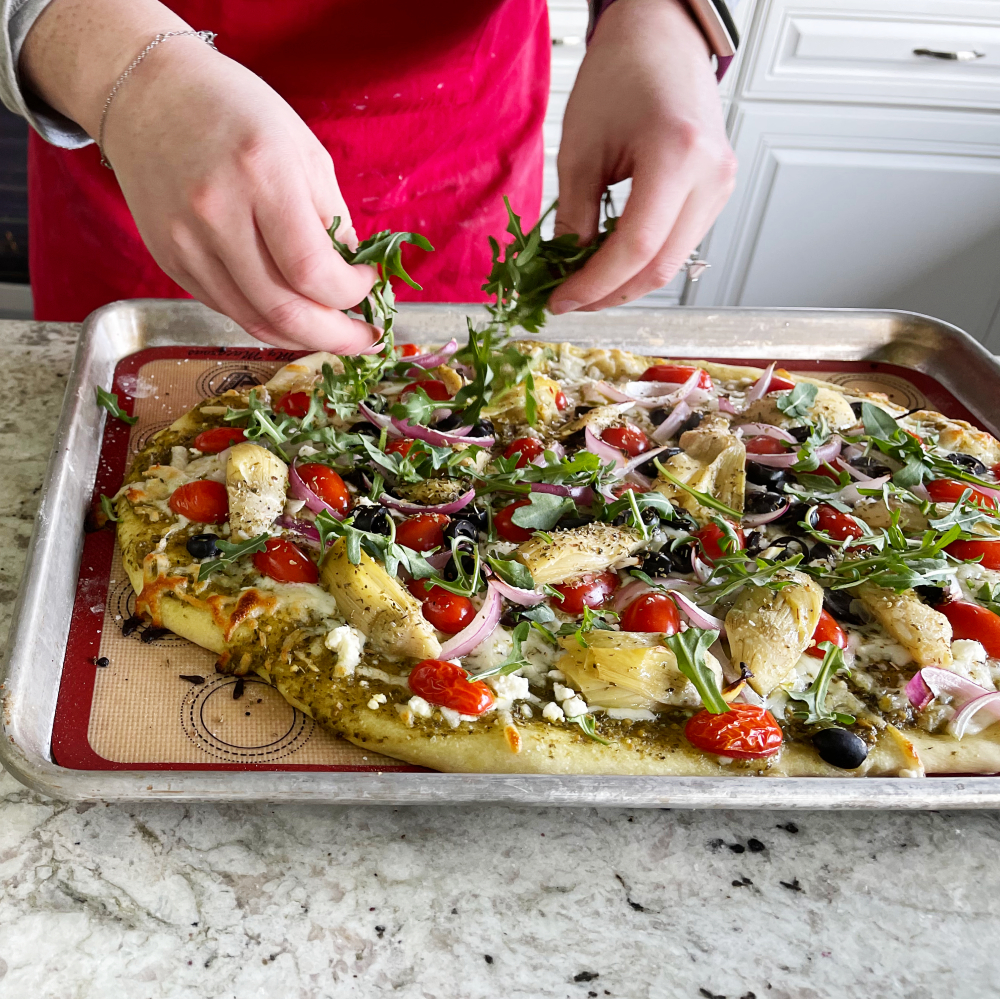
[
  {"x": 736, "y": 570},
  {"x": 540, "y": 613},
  {"x": 109, "y": 401},
  {"x": 797, "y": 402},
  {"x": 262, "y": 423},
  {"x": 107, "y": 507},
  {"x": 989, "y": 597},
  {"x": 418, "y": 407},
  {"x": 814, "y": 696},
  {"x": 599, "y": 620},
  {"x": 878, "y": 423},
  {"x": 589, "y": 728},
  {"x": 514, "y": 661},
  {"x": 543, "y": 511},
  {"x": 230, "y": 553},
  {"x": 689, "y": 648},
  {"x": 703, "y": 498},
  {"x": 512, "y": 572},
  {"x": 329, "y": 528}
]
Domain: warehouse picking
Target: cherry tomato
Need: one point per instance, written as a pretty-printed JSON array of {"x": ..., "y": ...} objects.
[
  {"x": 435, "y": 389},
  {"x": 628, "y": 487},
  {"x": 561, "y": 401},
  {"x": 827, "y": 630},
  {"x": 950, "y": 491},
  {"x": 422, "y": 531},
  {"x": 400, "y": 446},
  {"x": 506, "y": 527},
  {"x": 652, "y": 612},
  {"x": 528, "y": 447},
  {"x": 840, "y": 526},
  {"x": 420, "y": 588},
  {"x": 766, "y": 445},
  {"x": 629, "y": 439},
  {"x": 715, "y": 543},
  {"x": 972, "y": 621},
  {"x": 967, "y": 550},
  {"x": 327, "y": 485},
  {"x": 916, "y": 437},
  {"x": 828, "y": 471},
  {"x": 779, "y": 384},
  {"x": 996, "y": 470},
  {"x": 409, "y": 350},
  {"x": 591, "y": 591},
  {"x": 448, "y": 612},
  {"x": 214, "y": 441},
  {"x": 204, "y": 501},
  {"x": 441, "y": 682},
  {"x": 677, "y": 374},
  {"x": 285, "y": 562},
  {"x": 744, "y": 732},
  {"x": 293, "y": 404}
]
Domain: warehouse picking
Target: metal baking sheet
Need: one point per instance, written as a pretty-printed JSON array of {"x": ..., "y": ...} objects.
[{"x": 30, "y": 675}]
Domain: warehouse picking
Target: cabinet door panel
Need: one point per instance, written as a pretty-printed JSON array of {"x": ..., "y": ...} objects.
[{"x": 867, "y": 209}]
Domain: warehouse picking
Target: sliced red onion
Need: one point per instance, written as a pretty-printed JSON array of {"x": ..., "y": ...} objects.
[
  {"x": 517, "y": 595},
  {"x": 758, "y": 519},
  {"x": 767, "y": 430},
  {"x": 825, "y": 452},
  {"x": 852, "y": 451},
  {"x": 725, "y": 406},
  {"x": 646, "y": 390},
  {"x": 918, "y": 693},
  {"x": 672, "y": 423},
  {"x": 638, "y": 479},
  {"x": 439, "y": 437},
  {"x": 921, "y": 493},
  {"x": 602, "y": 449},
  {"x": 633, "y": 463},
  {"x": 453, "y": 506},
  {"x": 676, "y": 395},
  {"x": 854, "y": 473},
  {"x": 479, "y": 628},
  {"x": 702, "y": 570},
  {"x": 304, "y": 528},
  {"x": 959, "y": 725},
  {"x": 698, "y": 617},
  {"x": 380, "y": 421},
  {"x": 932, "y": 681},
  {"x": 556, "y": 448},
  {"x": 582, "y": 495},
  {"x": 434, "y": 359},
  {"x": 299, "y": 490},
  {"x": 629, "y": 592},
  {"x": 759, "y": 388},
  {"x": 550, "y": 487},
  {"x": 643, "y": 394},
  {"x": 438, "y": 560},
  {"x": 731, "y": 675},
  {"x": 849, "y": 494}
]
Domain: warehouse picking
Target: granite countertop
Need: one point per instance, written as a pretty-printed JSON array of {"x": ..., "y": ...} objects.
[{"x": 190, "y": 901}]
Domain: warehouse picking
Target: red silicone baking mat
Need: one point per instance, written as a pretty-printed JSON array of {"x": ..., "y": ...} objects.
[{"x": 159, "y": 704}]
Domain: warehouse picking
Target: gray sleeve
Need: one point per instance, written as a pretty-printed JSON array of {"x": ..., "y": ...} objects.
[{"x": 18, "y": 17}]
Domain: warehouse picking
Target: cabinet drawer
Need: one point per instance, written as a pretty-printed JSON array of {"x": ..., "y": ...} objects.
[{"x": 890, "y": 51}]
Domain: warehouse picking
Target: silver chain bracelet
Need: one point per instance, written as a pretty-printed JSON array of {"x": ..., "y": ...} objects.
[{"x": 206, "y": 36}]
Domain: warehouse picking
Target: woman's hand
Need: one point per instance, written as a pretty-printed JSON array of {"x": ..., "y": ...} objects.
[
  {"x": 230, "y": 190},
  {"x": 645, "y": 105}
]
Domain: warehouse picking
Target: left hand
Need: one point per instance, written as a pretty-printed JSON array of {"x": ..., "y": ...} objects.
[{"x": 645, "y": 105}]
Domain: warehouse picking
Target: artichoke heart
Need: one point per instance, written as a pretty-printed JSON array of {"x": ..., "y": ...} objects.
[
  {"x": 769, "y": 629},
  {"x": 300, "y": 374},
  {"x": 508, "y": 406},
  {"x": 571, "y": 553},
  {"x": 629, "y": 670},
  {"x": 374, "y": 603},
  {"x": 924, "y": 632},
  {"x": 829, "y": 404},
  {"x": 256, "y": 481}
]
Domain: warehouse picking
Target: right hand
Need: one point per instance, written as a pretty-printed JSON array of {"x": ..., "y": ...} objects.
[{"x": 232, "y": 194}]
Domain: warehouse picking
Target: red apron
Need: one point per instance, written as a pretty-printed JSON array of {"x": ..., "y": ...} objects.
[{"x": 431, "y": 112}]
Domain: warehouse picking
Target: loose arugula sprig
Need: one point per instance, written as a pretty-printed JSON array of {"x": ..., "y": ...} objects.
[
  {"x": 797, "y": 402},
  {"x": 814, "y": 696},
  {"x": 261, "y": 422},
  {"x": 734, "y": 571},
  {"x": 589, "y": 727},
  {"x": 689, "y": 648},
  {"x": 230, "y": 553},
  {"x": 705, "y": 499},
  {"x": 108, "y": 508},
  {"x": 109, "y": 401}
]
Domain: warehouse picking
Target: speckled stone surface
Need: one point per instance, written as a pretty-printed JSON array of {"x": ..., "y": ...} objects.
[{"x": 306, "y": 902}]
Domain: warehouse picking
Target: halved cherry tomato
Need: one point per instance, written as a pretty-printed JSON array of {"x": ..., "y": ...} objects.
[
  {"x": 293, "y": 404},
  {"x": 420, "y": 588},
  {"x": 590, "y": 591},
  {"x": 448, "y": 612},
  {"x": 435, "y": 389},
  {"x": 779, "y": 384},
  {"x": 628, "y": 487},
  {"x": 422, "y": 531},
  {"x": 409, "y": 350},
  {"x": 652, "y": 612},
  {"x": 214, "y": 441},
  {"x": 972, "y": 621},
  {"x": 285, "y": 562},
  {"x": 327, "y": 485},
  {"x": 827, "y": 630},
  {"x": 506, "y": 527},
  {"x": 996, "y": 470},
  {"x": 950, "y": 491},
  {"x": 840, "y": 526},
  {"x": 561, "y": 401},
  {"x": 763, "y": 444},
  {"x": 744, "y": 732},
  {"x": 629, "y": 439},
  {"x": 528, "y": 447},
  {"x": 441, "y": 682},
  {"x": 204, "y": 501},
  {"x": 400, "y": 446},
  {"x": 827, "y": 471},
  {"x": 967, "y": 550},
  {"x": 676, "y": 374},
  {"x": 715, "y": 543}
]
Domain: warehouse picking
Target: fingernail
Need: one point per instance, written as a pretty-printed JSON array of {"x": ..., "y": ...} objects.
[{"x": 566, "y": 305}]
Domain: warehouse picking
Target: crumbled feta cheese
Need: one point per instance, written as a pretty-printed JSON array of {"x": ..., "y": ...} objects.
[
  {"x": 347, "y": 644},
  {"x": 377, "y": 701},
  {"x": 552, "y": 712},
  {"x": 556, "y": 674},
  {"x": 419, "y": 706},
  {"x": 526, "y": 711},
  {"x": 561, "y": 693},
  {"x": 509, "y": 688},
  {"x": 452, "y": 717},
  {"x": 574, "y": 706},
  {"x": 179, "y": 457}
]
